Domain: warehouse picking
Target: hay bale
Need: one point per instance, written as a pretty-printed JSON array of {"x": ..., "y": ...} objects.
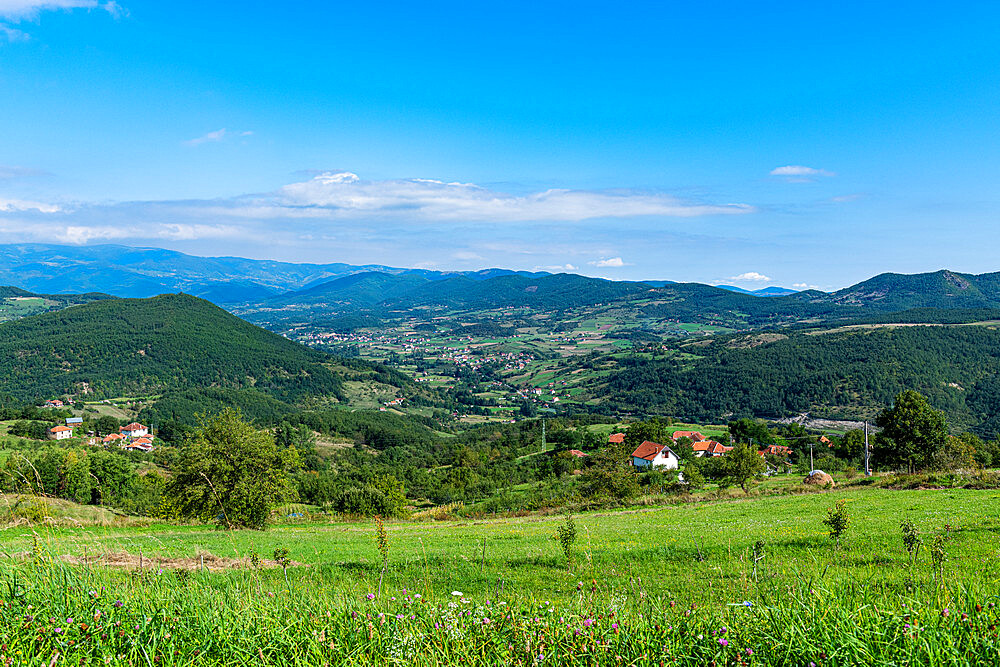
[{"x": 819, "y": 478}]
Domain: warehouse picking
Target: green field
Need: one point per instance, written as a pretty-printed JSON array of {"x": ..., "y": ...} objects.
[{"x": 675, "y": 584}]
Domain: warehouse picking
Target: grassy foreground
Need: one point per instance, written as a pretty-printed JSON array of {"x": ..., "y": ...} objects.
[{"x": 674, "y": 585}]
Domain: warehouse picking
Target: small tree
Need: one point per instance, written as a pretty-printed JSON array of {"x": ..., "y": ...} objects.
[
  {"x": 232, "y": 472},
  {"x": 382, "y": 543},
  {"x": 106, "y": 425},
  {"x": 938, "y": 556},
  {"x": 743, "y": 464},
  {"x": 912, "y": 433},
  {"x": 566, "y": 536},
  {"x": 911, "y": 540},
  {"x": 837, "y": 520}
]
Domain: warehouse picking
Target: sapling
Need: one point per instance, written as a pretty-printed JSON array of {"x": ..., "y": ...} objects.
[
  {"x": 382, "y": 542},
  {"x": 566, "y": 536},
  {"x": 837, "y": 520},
  {"x": 281, "y": 558},
  {"x": 758, "y": 555},
  {"x": 911, "y": 540}
]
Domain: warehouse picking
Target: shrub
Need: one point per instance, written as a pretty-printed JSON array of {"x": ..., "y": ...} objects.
[
  {"x": 566, "y": 536},
  {"x": 837, "y": 520}
]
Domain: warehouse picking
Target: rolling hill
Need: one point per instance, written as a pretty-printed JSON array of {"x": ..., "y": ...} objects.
[
  {"x": 842, "y": 373},
  {"x": 16, "y": 303},
  {"x": 143, "y": 346}
]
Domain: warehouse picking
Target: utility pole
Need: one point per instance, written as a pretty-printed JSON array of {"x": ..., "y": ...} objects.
[
  {"x": 811, "y": 466},
  {"x": 868, "y": 469},
  {"x": 544, "y": 446}
]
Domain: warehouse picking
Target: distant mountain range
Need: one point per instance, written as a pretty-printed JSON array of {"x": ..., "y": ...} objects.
[
  {"x": 249, "y": 284},
  {"x": 125, "y": 271}
]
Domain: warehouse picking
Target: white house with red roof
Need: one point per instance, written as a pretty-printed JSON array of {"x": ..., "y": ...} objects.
[
  {"x": 134, "y": 430},
  {"x": 654, "y": 455},
  {"x": 694, "y": 436},
  {"x": 60, "y": 432},
  {"x": 139, "y": 444}
]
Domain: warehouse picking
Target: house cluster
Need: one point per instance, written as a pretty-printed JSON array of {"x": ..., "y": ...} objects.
[
  {"x": 653, "y": 454},
  {"x": 133, "y": 437}
]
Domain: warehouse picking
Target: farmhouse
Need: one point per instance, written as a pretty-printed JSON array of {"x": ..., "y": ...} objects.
[
  {"x": 60, "y": 432},
  {"x": 694, "y": 436},
  {"x": 710, "y": 448},
  {"x": 655, "y": 455},
  {"x": 776, "y": 450},
  {"x": 112, "y": 438},
  {"x": 139, "y": 444},
  {"x": 616, "y": 438},
  {"x": 134, "y": 430},
  {"x": 54, "y": 403}
]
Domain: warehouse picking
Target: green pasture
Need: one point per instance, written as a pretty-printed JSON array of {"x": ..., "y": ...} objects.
[{"x": 750, "y": 582}]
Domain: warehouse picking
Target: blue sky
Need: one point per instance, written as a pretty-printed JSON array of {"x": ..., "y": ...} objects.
[{"x": 744, "y": 143}]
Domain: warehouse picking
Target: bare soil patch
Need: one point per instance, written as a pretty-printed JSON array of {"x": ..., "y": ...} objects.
[{"x": 125, "y": 560}]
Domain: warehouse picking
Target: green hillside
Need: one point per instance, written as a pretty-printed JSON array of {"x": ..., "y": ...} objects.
[
  {"x": 16, "y": 303},
  {"x": 141, "y": 346},
  {"x": 844, "y": 373}
]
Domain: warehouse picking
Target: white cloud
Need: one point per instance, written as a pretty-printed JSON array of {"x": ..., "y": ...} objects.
[
  {"x": 19, "y": 10},
  {"x": 556, "y": 268},
  {"x": 842, "y": 199},
  {"x": 466, "y": 255},
  {"x": 797, "y": 173},
  {"x": 343, "y": 194},
  {"x": 217, "y": 135},
  {"x": 804, "y": 286},
  {"x": 611, "y": 262},
  {"x": 751, "y": 276},
  {"x": 15, "y": 205}
]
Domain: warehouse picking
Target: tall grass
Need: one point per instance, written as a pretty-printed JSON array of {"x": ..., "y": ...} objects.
[{"x": 677, "y": 586}]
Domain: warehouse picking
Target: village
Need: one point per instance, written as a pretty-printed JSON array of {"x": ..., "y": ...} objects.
[
  {"x": 654, "y": 455},
  {"x": 131, "y": 437}
]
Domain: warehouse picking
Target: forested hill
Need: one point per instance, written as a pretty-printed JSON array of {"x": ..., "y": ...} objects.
[
  {"x": 140, "y": 346},
  {"x": 16, "y": 303},
  {"x": 849, "y": 373}
]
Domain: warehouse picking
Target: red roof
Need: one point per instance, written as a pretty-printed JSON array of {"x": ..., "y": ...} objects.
[
  {"x": 717, "y": 449},
  {"x": 647, "y": 450},
  {"x": 112, "y": 436},
  {"x": 616, "y": 438},
  {"x": 577, "y": 453},
  {"x": 134, "y": 426},
  {"x": 694, "y": 435},
  {"x": 776, "y": 450},
  {"x": 702, "y": 446},
  {"x": 60, "y": 429}
]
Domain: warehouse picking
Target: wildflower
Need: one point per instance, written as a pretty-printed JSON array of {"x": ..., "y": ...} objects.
[
  {"x": 118, "y": 603},
  {"x": 457, "y": 594},
  {"x": 69, "y": 621},
  {"x": 370, "y": 596},
  {"x": 749, "y": 651},
  {"x": 722, "y": 631},
  {"x": 945, "y": 612},
  {"x": 58, "y": 631},
  {"x": 588, "y": 622},
  {"x": 614, "y": 626},
  {"x": 723, "y": 643}
]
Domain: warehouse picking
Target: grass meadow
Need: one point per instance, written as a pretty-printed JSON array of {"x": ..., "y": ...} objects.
[{"x": 740, "y": 582}]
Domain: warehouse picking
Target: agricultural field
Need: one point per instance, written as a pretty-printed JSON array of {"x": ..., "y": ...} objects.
[{"x": 751, "y": 582}]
